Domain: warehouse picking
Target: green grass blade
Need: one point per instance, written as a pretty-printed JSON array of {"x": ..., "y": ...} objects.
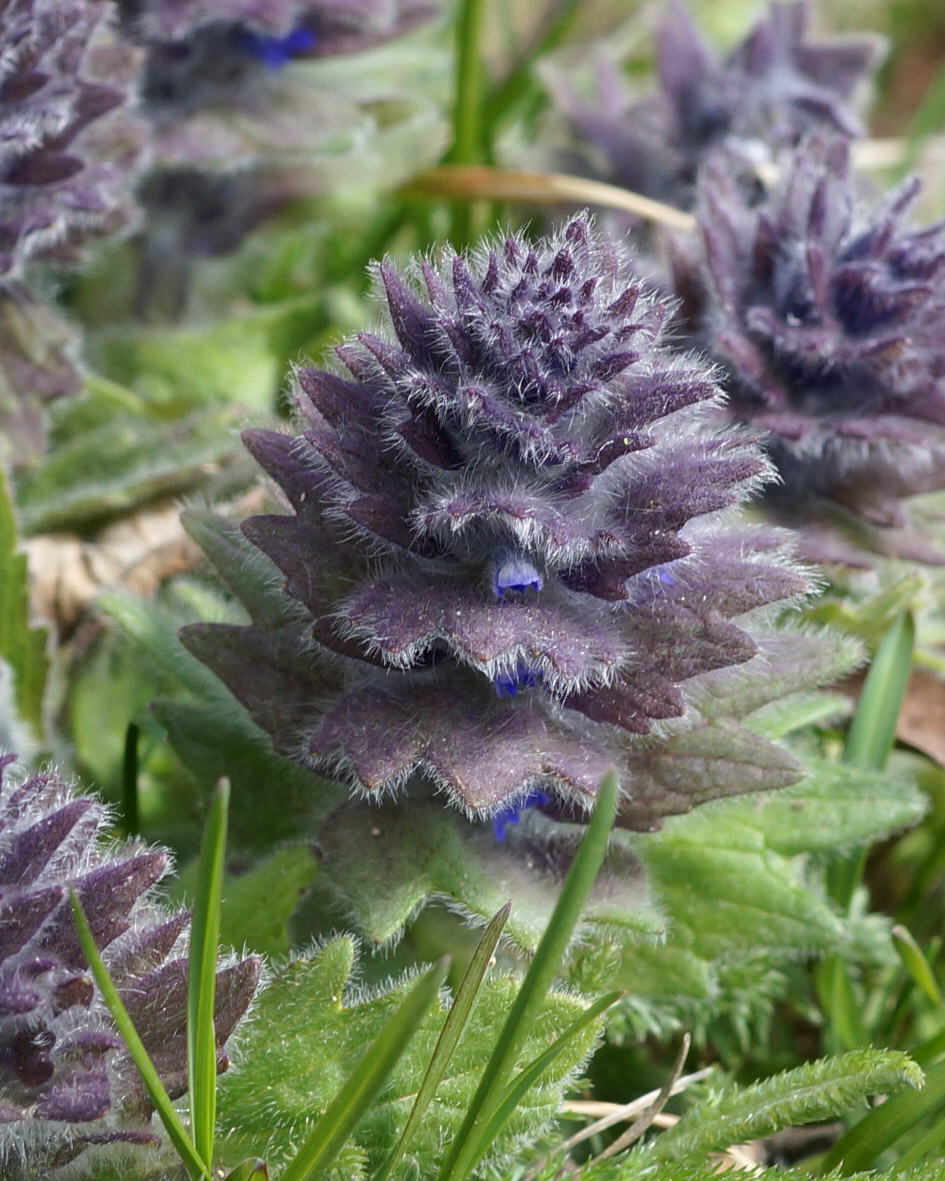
[
  {"x": 928, "y": 120},
  {"x": 535, "y": 985},
  {"x": 330, "y": 1133},
  {"x": 869, "y": 741},
  {"x": 859, "y": 1147},
  {"x": 202, "y": 975},
  {"x": 932, "y": 1140},
  {"x": 846, "y": 1029},
  {"x": 467, "y": 106},
  {"x": 458, "y": 1016},
  {"x": 928, "y": 1052},
  {"x": 873, "y": 728},
  {"x": 149, "y": 1076},
  {"x": 505, "y": 98},
  {"x": 253, "y": 1169},
  {"x": 916, "y": 964},
  {"x": 129, "y": 781},
  {"x": 530, "y": 1074}
]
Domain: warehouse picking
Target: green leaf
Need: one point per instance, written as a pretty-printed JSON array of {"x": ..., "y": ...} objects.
[
  {"x": 309, "y": 1028},
  {"x": 354, "y": 1098},
  {"x": 22, "y": 647},
  {"x": 870, "y": 619},
  {"x": 245, "y": 570},
  {"x": 149, "y": 1075},
  {"x": 816, "y": 1091},
  {"x": 798, "y": 712},
  {"x": 201, "y": 975},
  {"x": 279, "y": 882},
  {"x": 147, "y": 459},
  {"x": 527, "y": 1077},
  {"x": 470, "y": 1144},
  {"x": 727, "y": 880},
  {"x": 916, "y": 964},
  {"x": 382, "y": 864},
  {"x": 174, "y": 370},
  {"x": 639, "y": 1166},
  {"x": 214, "y": 736}
]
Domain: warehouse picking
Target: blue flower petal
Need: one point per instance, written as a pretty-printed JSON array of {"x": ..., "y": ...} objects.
[{"x": 276, "y": 52}]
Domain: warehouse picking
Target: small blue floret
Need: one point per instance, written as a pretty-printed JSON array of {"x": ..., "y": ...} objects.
[
  {"x": 508, "y": 684},
  {"x": 514, "y": 572},
  {"x": 276, "y": 52},
  {"x": 513, "y": 814}
]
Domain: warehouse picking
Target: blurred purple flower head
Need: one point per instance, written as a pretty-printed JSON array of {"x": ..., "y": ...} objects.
[
  {"x": 66, "y": 1081},
  {"x": 67, "y": 147},
  {"x": 205, "y": 53},
  {"x": 829, "y": 319},
  {"x": 482, "y": 505},
  {"x": 771, "y": 89}
]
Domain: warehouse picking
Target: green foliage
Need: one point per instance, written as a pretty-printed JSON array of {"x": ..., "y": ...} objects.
[
  {"x": 22, "y": 647},
  {"x": 869, "y": 616},
  {"x": 258, "y": 903},
  {"x": 308, "y": 1031},
  {"x": 196, "y": 1168},
  {"x": 332, "y": 1130},
  {"x": 860, "y": 1146},
  {"x": 728, "y": 879},
  {"x": 147, "y": 457}
]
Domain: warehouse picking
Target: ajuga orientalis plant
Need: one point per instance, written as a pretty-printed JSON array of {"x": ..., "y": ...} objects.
[
  {"x": 764, "y": 95},
  {"x": 510, "y": 549},
  {"x": 67, "y": 1085},
  {"x": 826, "y": 313}
]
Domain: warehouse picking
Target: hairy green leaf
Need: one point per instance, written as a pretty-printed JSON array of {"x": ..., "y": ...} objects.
[
  {"x": 816, "y": 1091},
  {"x": 310, "y": 1027},
  {"x": 258, "y": 903},
  {"x": 640, "y": 1166},
  {"x": 859, "y": 1147},
  {"x": 384, "y": 863},
  {"x": 146, "y": 459}
]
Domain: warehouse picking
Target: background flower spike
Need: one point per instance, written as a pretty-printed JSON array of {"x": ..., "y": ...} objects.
[
  {"x": 62, "y": 1063},
  {"x": 828, "y": 318}
]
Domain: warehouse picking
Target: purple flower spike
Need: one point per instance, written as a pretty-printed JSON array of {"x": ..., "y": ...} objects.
[
  {"x": 521, "y": 415},
  {"x": 514, "y": 572},
  {"x": 67, "y": 148},
  {"x": 513, "y": 813},
  {"x": 771, "y": 89},
  {"x": 62, "y": 1062},
  {"x": 829, "y": 320}
]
